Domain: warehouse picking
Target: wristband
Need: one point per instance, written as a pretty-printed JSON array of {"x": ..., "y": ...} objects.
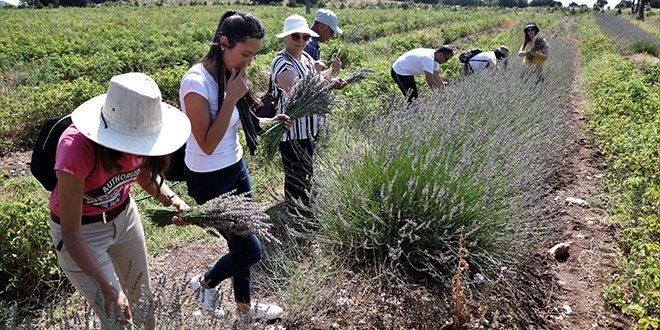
[{"x": 168, "y": 199}]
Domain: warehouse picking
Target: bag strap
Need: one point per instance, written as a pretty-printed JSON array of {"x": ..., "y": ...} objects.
[{"x": 270, "y": 84}]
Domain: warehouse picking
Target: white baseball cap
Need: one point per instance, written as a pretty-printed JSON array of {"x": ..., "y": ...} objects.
[{"x": 328, "y": 18}]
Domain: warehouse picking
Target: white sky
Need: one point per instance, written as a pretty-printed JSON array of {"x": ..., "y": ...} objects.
[
  {"x": 12, "y": 2},
  {"x": 590, "y": 3}
]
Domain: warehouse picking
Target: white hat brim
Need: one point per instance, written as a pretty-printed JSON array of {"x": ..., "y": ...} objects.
[
  {"x": 172, "y": 135},
  {"x": 300, "y": 30}
]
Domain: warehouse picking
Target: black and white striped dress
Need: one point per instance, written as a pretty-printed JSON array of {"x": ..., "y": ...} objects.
[{"x": 306, "y": 127}]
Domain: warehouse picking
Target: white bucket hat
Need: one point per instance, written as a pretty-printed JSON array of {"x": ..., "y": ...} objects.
[
  {"x": 131, "y": 118},
  {"x": 328, "y": 18},
  {"x": 296, "y": 24}
]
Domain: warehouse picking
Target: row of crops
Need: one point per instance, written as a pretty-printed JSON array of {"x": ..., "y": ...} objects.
[{"x": 624, "y": 98}]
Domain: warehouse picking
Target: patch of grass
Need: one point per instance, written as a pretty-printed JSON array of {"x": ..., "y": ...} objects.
[
  {"x": 300, "y": 271},
  {"x": 645, "y": 46}
]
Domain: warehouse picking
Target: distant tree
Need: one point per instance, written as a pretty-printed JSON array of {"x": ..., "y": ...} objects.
[
  {"x": 573, "y": 4},
  {"x": 298, "y": 3},
  {"x": 654, "y": 4},
  {"x": 623, "y": 4},
  {"x": 48, "y": 3},
  {"x": 508, "y": 3},
  {"x": 640, "y": 9},
  {"x": 600, "y": 3},
  {"x": 64, "y": 3},
  {"x": 464, "y": 3},
  {"x": 546, "y": 3}
]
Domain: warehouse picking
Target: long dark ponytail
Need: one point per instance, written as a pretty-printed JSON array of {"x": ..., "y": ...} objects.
[{"x": 236, "y": 27}]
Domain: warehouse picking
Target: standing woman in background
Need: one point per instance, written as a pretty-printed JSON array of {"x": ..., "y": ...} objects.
[
  {"x": 297, "y": 145},
  {"x": 534, "y": 51},
  {"x": 117, "y": 138},
  {"x": 215, "y": 96}
]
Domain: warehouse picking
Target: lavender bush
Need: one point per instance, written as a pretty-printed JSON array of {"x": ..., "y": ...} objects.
[
  {"x": 627, "y": 36},
  {"x": 472, "y": 161}
]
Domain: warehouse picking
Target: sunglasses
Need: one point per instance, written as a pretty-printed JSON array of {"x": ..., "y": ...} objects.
[{"x": 297, "y": 36}]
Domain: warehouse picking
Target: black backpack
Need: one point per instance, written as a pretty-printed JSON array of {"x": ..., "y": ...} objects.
[
  {"x": 175, "y": 172},
  {"x": 42, "y": 163},
  {"x": 465, "y": 56}
]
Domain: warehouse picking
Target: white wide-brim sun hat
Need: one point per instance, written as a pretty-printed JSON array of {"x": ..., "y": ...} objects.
[
  {"x": 296, "y": 24},
  {"x": 131, "y": 118}
]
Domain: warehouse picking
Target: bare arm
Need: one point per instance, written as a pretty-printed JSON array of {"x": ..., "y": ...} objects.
[
  {"x": 286, "y": 79},
  {"x": 207, "y": 133},
  {"x": 434, "y": 80},
  {"x": 70, "y": 189},
  {"x": 522, "y": 52},
  {"x": 144, "y": 180},
  {"x": 541, "y": 53}
]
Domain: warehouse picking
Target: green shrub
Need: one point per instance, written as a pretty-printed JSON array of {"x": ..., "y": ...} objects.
[{"x": 28, "y": 264}]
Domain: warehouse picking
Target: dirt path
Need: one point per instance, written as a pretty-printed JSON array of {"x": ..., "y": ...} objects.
[
  {"x": 593, "y": 241},
  {"x": 593, "y": 238}
]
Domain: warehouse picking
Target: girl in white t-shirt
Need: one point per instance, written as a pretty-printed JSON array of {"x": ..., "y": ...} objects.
[{"x": 215, "y": 96}]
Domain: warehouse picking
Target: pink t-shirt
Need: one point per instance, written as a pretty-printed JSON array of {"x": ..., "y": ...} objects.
[{"x": 103, "y": 190}]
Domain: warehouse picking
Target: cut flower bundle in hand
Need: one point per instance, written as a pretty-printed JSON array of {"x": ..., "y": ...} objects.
[
  {"x": 358, "y": 75},
  {"x": 538, "y": 44},
  {"x": 310, "y": 95},
  {"x": 234, "y": 214}
]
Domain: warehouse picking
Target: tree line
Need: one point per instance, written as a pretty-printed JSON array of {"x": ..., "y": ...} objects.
[{"x": 297, "y": 3}]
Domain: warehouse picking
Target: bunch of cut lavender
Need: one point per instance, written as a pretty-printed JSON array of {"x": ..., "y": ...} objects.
[
  {"x": 538, "y": 44},
  {"x": 357, "y": 33},
  {"x": 235, "y": 214},
  {"x": 358, "y": 75},
  {"x": 310, "y": 95}
]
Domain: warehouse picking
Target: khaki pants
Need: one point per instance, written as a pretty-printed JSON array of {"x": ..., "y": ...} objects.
[{"x": 119, "y": 249}]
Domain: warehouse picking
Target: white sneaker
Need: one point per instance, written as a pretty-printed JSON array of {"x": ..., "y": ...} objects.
[
  {"x": 208, "y": 298},
  {"x": 260, "y": 311}
]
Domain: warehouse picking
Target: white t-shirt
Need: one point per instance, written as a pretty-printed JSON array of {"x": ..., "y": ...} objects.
[
  {"x": 416, "y": 61},
  {"x": 229, "y": 150},
  {"x": 482, "y": 59}
]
